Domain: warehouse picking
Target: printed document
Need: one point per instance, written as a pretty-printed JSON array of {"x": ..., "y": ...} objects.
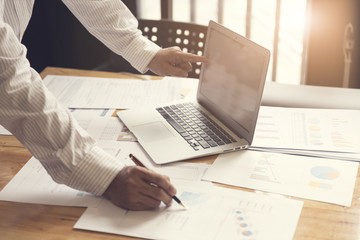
[
  {"x": 32, "y": 184},
  {"x": 4, "y": 131},
  {"x": 103, "y": 127},
  {"x": 93, "y": 92},
  {"x": 214, "y": 213},
  {"x": 324, "y": 131},
  {"x": 320, "y": 179}
]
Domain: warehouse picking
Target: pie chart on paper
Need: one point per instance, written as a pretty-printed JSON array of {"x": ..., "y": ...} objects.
[{"x": 325, "y": 172}]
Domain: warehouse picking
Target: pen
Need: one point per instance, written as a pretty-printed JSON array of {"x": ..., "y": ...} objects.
[{"x": 139, "y": 163}]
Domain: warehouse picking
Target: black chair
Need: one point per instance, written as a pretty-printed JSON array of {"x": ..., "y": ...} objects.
[{"x": 189, "y": 37}]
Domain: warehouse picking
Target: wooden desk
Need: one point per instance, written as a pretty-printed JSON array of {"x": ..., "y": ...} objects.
[{"x": 34, "y": 221}]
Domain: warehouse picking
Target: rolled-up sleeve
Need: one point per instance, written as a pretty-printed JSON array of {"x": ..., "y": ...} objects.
[{"x": 52, "y": 135}]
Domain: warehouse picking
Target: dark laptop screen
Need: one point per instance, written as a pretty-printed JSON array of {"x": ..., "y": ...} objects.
[{"x": 232, "y": 82}]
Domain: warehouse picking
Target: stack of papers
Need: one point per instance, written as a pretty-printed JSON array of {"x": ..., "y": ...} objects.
[
  {"x": 330, "y": 133},
  {"x": 308, "y": 96}
]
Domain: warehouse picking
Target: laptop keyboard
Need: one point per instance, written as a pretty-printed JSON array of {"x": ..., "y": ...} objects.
[{"x": 194, "y": 126}]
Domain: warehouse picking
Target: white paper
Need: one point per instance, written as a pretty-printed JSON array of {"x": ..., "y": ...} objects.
[
  {"x": 4, "y": 131},
  {"x": 32, "y": 184},
  {"x": 90, "y": 113},
  {"x": 308, "y": 129},
  {"x": 313, "y": 153},
  {"x": 93, "y": 92},
  {"x": 100, "y": 124},
  {"x": 192, "y": 172},
  {"x": 320, "y": 179},
  {"x": 101, "y": 128},
  {"x": 307, "y": 96},
  {"x": 189, "y": 87},
  {"x": 214, "y": 213}
]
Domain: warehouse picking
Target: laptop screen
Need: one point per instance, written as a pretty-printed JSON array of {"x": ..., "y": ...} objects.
[{"x": 231, "y": 83}]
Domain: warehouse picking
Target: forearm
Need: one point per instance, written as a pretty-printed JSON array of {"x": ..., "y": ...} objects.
[
  {"x": 33, "y": 115},
  {"x": 113, "y": 24}
]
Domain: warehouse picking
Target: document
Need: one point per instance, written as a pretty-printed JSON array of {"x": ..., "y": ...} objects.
[
  {"x": 214, "y": 213},
  {"x": 319, "y": 179},
  {"x": 179, "y": 171},
  {"x": 324, "y": 131},
  {"x": 289, "y": 95},
  {"x": 80, "y": 115},
  {"x": 306, "y": 96},
  {"x": 32, "y": 184},
  {"x": 90, "y": 113},
  {"x": 189, "y": 87},
  {"x": 93, "y": 92},
  {"x": 104, "y": 128},
  {"x": 4, "y": 131}
]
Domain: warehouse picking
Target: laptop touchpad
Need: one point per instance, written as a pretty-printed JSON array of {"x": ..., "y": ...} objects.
[{"x": 154, "y": 131}]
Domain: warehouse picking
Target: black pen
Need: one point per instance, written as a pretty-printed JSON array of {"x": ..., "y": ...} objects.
[{"x": 139, "y": 163}]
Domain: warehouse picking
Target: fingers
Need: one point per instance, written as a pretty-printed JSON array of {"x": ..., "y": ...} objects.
[
  {"x": 163, "y": 182},
  {"x": 182, "y": 63},
  {"x": 142, "y": 202},
  {"x": 137, "y": 188},
  {"x": 192, "y": 57},
  {"x": 156, "y": 195},
  {"x": 173, "y": 62},
  {"x": 186, "y": 66},
  {"x": 157, "y": 186},
  {"x": 176, "y": 70},
  {"x": 187, "y": 57}
]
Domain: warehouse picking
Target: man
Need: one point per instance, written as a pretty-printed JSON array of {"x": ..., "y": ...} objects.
[{"x": 32, "y": 114}]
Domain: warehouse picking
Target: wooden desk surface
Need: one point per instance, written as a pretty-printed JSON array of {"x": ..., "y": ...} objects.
[{"x": 34, "y": 221}]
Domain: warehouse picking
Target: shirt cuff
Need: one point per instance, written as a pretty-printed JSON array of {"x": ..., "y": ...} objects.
[
  {"x": 140, "y": 52},
  {"x": 95, "y": 172}
]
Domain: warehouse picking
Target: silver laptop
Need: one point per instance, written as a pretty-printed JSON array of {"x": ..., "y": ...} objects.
[{"x": 224, "y": 115}]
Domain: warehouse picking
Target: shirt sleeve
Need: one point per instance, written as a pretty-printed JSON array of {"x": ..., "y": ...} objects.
[
  {"x": 48, "y": 130},
  {"x": 112, "y": 23}
]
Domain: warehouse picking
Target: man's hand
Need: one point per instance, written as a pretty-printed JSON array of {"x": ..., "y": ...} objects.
[
  {"x": 137, "y": 188},
  {"x": 173, "y": 62}
]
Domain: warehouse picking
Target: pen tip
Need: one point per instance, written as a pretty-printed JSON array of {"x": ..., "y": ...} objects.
[{"x": 182, "y": 204}]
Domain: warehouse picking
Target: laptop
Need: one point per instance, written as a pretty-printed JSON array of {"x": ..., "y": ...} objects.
[{"x": 223, "y": 116}]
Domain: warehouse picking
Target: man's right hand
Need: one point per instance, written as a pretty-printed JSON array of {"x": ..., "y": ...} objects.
[
  {"x": 137, "y": 188},
  {"x": 173, "y": 62}
]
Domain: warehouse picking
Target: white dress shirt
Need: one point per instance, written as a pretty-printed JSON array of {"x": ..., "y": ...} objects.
[{"x": 31, "y": 112}]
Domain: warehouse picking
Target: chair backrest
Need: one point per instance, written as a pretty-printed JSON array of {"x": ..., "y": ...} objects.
[{"x": 189, "y": 37}]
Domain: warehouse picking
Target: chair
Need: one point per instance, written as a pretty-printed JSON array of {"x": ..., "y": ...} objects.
[{"x": 189, "y": 37}]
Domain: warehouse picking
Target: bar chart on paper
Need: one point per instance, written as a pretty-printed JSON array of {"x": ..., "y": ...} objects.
[
  {"x": 264, "y": 170},
  {"x": 320, "y": 179},
  {"x": 308, "y": 129}
]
